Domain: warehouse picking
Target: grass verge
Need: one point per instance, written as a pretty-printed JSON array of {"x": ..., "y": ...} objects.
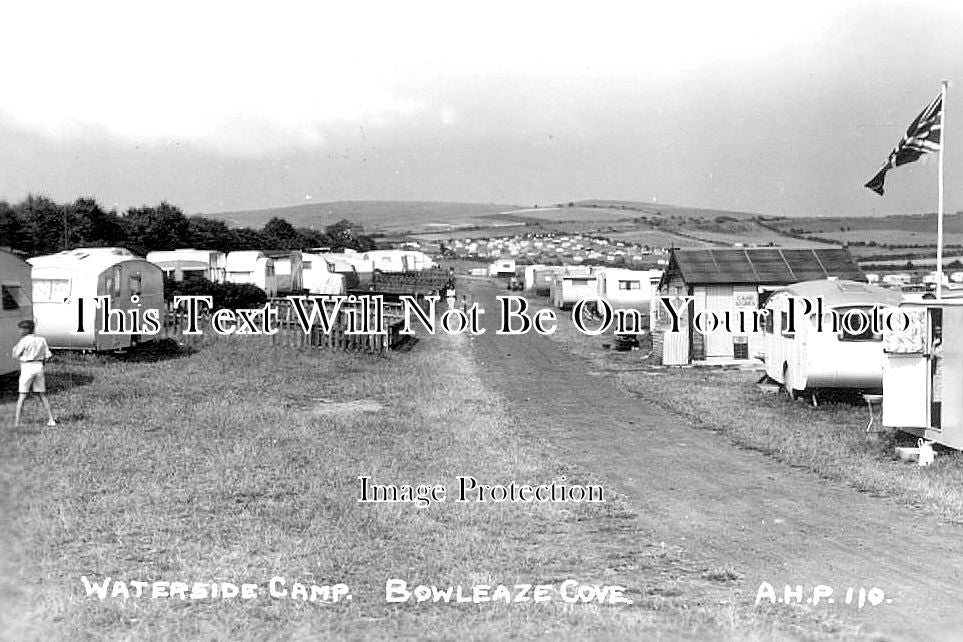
[
  {"x": 239, "y": 463},
  {"x": 830, "y": 439}
]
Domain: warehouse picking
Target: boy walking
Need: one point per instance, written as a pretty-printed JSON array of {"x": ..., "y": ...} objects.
[{"x": 32, "y": 352}]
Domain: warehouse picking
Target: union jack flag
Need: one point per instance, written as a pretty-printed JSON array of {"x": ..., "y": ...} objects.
[{"x": 922, "y": 137}]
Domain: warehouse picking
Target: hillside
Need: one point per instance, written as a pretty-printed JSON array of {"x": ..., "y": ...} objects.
[
  {"x": 655, "y": 209},
  {"x": 428, "y": 216},
  {"x": 392, "y": 216},
  {"x": 874, "y": 241}
]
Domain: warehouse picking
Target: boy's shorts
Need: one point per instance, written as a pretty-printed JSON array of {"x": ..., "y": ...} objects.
[{"x": 31, "y": 377}]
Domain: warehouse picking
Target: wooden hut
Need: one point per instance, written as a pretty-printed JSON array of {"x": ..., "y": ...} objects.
[{"x": 714, "y": 282}]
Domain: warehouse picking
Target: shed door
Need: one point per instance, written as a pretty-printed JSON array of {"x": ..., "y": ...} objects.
[{"x": 719, "y": 343}]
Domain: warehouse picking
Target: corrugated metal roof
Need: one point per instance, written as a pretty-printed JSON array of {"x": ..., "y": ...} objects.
[{"x": 766, "y": 265}]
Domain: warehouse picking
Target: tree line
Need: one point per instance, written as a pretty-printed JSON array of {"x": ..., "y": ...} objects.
[{"x": 38, "y": 225}]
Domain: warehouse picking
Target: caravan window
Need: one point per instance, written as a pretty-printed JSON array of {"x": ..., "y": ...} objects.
[
  {"x": 784, "y": 323},
  {"x": 11, "y": 297},
  {"x": 113, "y": 282},
  {"x": 305, "y": 265},
  {"x": 50, "y": 290},
  {"x": 856, "y": 325},
  {"x": 134, "y": 284},
  {"x": 189, "y": 275}
]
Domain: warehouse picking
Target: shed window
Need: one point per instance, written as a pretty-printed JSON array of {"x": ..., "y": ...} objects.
[
  {"x": 51, "y": 290},
  {"x": 306, "y": 265},
  {"x": 11, "y": 297},
  {"x": 630, "y": 285}
]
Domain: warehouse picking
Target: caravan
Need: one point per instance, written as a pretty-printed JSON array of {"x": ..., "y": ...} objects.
[
  {"x": 319, "y": 277},
  {"x": 801, "y": 357},
  {"x": 15, "y": 289},
  {"x": 924, "y": 360},
  {"x": 628, "y": 288},
  {"x": 254, "y": 267},
  {"x": 187, "y": 264},
  {"x": 288, "y": 270},
  {"x": 59, "y": 280},
  {"x": 572, "y": 285}
]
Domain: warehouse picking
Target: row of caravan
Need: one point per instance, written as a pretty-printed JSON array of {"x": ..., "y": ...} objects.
[
  {"x": 274, "y": 272},
  {"x": 287, "y": 271},
  {"x": 47, "y": 288},
  {"x": 567, "y": 285}
]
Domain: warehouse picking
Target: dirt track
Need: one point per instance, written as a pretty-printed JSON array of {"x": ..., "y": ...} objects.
[{"x": 728, "y": 506}]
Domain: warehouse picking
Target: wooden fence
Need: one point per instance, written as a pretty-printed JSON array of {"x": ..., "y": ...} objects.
[
  {"x": 339, "y": 336},
  {"x": 423, "y": 282},
  {"x": 291, "y": 333}
]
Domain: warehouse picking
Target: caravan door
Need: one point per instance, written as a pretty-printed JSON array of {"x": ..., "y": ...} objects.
[{"x": 906, "y": 373}]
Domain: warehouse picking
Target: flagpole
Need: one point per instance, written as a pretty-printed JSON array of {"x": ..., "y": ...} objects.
[{"x": 939, "y": 221}]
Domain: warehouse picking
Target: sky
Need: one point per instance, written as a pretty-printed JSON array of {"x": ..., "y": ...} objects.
[{"x": 221, "y": 106}]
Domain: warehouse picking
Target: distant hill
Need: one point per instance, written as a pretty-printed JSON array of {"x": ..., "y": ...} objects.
[
  {"x": 650, "y": 209},
  {"x": 430, "y": 216},
  {"x": 373, "y": 215}
]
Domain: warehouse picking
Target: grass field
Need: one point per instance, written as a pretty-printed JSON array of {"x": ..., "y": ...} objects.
[{"x": 238, "y": 464}]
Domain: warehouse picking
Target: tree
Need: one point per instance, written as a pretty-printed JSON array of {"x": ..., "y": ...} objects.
[
  {"x": 246, "y": 238},
  {"x": 156, "y": 228},
  {"x": 345, "y": 234},
  {"x": 11, "y": 227},
  {"x": 210, "y": 234},
  {"x": 43, "y": 225},
  {"x": 281, "y": 235},
  {"x": 90, "y": 225}
]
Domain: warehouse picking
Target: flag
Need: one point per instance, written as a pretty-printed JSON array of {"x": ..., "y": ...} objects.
[{"x": 923, "y": 136}]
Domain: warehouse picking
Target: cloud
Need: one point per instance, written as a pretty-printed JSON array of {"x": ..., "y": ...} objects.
[{"x": 247, "y": 78}]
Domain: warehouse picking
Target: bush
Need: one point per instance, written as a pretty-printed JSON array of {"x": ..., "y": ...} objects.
[{"x": 234, "y": 296}]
